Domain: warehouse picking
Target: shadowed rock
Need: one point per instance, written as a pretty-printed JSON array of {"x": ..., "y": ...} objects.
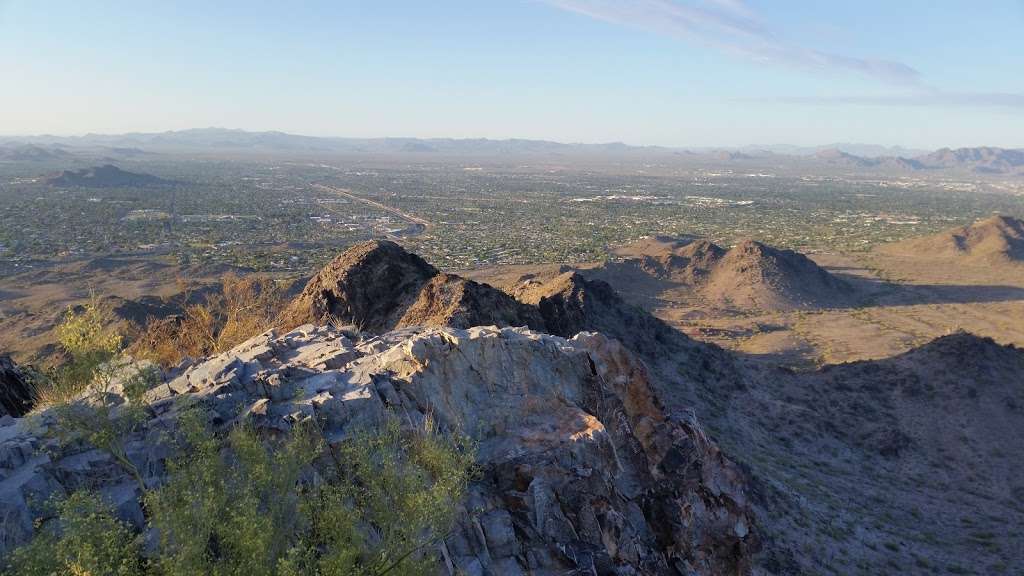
[{"x": 16, "y": 395}]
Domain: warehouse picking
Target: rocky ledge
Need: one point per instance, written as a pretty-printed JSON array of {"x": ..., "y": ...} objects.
[{"x": 583, "y": 469}]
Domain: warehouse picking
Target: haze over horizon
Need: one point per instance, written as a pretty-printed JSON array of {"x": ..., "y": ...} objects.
[{"x": 679, "y": 73}]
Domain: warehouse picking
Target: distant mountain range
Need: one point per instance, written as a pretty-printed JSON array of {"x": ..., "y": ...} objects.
[
  {"x": 979, "y": 160},
  {"x": 31, "y": 153}
]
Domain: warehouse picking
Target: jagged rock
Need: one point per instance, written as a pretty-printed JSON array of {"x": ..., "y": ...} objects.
[
  {"x": 583, "y": 468},
  {"x": 16, "y": 395},
  {"x": 378, "y": 287},
  {"x": 570, "y": 304}
]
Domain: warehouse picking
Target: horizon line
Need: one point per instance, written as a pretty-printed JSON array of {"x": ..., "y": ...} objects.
[{"x": 704, "y": 147}]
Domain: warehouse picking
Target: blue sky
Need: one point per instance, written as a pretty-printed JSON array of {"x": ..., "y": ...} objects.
[{"x": 671, "y": 72}]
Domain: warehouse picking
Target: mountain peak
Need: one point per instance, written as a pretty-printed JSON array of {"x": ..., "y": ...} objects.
[{"x": 379, "y": 286}]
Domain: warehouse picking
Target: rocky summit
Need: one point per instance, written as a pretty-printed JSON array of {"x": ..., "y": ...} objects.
[
  {"x": 584, "y": 470},
  {"x": 378, "y": 286}
]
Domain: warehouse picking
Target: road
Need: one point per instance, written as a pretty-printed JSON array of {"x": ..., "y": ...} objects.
[{"x": 411, "y": 218}]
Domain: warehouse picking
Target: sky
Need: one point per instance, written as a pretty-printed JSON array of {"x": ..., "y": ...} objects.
[{"x": 916, "y": 73}]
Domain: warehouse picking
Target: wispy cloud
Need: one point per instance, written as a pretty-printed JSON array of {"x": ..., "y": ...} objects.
[
  {"x": 733, "y": 27},
  {"x": 921, "y": 98}
]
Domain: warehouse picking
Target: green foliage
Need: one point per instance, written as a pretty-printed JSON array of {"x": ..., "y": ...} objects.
[
  {"x": 407, "y": 487},
  {"x": 230, "y": 506},
  {"x": 90, "y": 542},
  {"x": 91, "y": 345},
  {"x": 105, "y": 421},
  {"x": 241, "y": 505},
  {"x": 246, "y": 504}
]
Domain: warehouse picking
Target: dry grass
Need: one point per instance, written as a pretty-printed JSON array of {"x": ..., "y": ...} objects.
[{"x": 245, "y": 307}]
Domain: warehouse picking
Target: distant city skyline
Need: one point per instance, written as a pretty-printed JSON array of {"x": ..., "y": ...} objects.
[{"x": 678, "y": 73}]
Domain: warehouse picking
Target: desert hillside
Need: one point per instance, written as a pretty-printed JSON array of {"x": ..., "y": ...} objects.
[
  {"x": 607, "y": 439},
  {"x": 995, "y": 240}
]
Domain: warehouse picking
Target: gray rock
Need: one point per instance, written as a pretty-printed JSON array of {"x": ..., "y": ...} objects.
[{"x": 583, "y": 470}]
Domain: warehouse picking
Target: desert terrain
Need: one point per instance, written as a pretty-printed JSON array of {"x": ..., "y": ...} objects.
[{"x": 897, "y": 296}]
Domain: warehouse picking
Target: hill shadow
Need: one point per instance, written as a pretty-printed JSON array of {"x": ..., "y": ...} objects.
[{"x": 875, "y": 292}]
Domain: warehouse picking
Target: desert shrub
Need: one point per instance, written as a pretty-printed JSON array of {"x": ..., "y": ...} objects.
[
  {"x": 246, "y": 504},
  {"x": 401, "y": 488},
  {"x": 90, "y": 344},
  {"x": 244, "y": 307},
  {"x": 86, "y": 540},
  {"x": 241, "y": 507},
  {"x": 106, "y": 421},
  {"x": 230, "y": 506}
]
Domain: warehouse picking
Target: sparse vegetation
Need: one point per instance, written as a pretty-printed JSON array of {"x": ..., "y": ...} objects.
[
  {"x": 239, "y": 502},
  {"x": 244, "y": 307},
  {"x": 87, "y": 541},
  {"x": 90, "y": 345},
  {"x": 244, "y": 503}
]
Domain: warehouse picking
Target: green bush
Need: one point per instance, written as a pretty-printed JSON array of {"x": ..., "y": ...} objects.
[
  {"x": 90, "y": 344},
  {"x": 244, "y": 504},
  {"x": 89, "y": 541}
]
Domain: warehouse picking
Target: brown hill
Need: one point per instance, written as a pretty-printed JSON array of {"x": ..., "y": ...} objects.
[
  {"x": 994, "y": 240},
  {"x": 755, "y": 275},
  {"x": 378, "y": 286},
  {"x": 750, "y": 275}
]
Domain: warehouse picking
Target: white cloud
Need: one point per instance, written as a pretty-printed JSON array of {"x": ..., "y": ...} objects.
[{"x": 731, "y": 26}]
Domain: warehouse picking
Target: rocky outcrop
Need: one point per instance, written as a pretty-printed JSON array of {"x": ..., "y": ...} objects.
[
  {"x": 16, "y": 394},
  {"x": 583, "y": 468},
  {"x": 378, "y": 286},
  {"x": 570, "y": 304}
]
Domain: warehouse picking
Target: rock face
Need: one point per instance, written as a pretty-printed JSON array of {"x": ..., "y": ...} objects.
[
  {"x": 378, "y": 286},
  {"x": 16, "y": 395},
  {"x": 584, "y": 469},
  {"x": 570, "y": 304},
  {"x": 994, "y": 240}
]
